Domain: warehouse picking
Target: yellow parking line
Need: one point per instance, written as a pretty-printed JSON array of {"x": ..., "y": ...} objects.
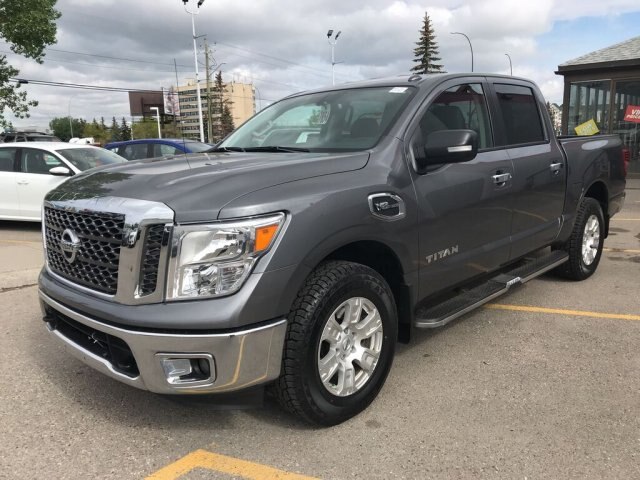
[
  {"x": 620, "y": 250},
  {"x": 558, "y": 311},
  {"x": 222, "y": 464},
  {"x": 613, "y": 219}
]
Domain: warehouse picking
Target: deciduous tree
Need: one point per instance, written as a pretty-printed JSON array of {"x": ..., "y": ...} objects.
[
  {"x": 62, "y": 129},
  {"x": 28, "y": 27}
]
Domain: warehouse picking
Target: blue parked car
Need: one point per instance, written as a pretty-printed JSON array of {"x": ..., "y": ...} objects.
[{"x": 156, "y": 147}]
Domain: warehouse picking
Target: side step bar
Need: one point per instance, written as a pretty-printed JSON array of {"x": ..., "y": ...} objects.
[{"x": 442, "y": 313}]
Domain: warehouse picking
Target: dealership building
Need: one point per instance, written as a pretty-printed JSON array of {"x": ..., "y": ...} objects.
[{"x": 604, "y": 87}]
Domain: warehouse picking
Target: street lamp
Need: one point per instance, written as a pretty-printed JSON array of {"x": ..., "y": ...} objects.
[
  {"x": 510, "y": 64},
  {"x": 70, "y": 120},
  {"x": 193, "y": 13},
  {"x": 332, "y": 41},
  {"x": 460, "y": 33},
  {"x": 158, "y": 119}
]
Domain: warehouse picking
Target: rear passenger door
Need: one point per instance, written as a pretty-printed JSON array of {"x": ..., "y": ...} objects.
[
  {"x": 9, "y": 206},
  {"x": 539, "y": 177},
  {"x": 465, "y": 217}
]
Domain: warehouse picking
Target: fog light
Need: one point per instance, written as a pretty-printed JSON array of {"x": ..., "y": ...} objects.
[{"x": 181, "y": 369}]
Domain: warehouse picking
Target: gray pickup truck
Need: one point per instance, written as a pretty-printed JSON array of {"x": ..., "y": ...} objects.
[{"x": 298, "y": 251}]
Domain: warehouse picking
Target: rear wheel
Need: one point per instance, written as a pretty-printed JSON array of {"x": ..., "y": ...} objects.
[
  {"x": 340, "y": 343},
  {"x": 585, "y": 244}
]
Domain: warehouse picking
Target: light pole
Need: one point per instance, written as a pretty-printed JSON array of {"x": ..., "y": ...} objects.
[
  {"x": 510, "y": 64},
  {"x": 193, "y": 13},
  {"x": 158, "y": 119},
  {"x": 70, "y": 120},
  {"x": 332, "y": 41},
  {"x": 460, "y": 33}
]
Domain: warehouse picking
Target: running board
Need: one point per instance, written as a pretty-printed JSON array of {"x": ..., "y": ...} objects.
[{"x": 442, "y": 313}]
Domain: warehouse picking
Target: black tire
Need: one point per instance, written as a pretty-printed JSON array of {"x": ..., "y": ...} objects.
[
  {"x": 300, "y": 388},
  {"x": 576, "y": 268}
]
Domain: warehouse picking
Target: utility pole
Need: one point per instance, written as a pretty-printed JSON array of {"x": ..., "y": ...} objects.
[
  {"x": 193, "y": 13},
  {"x": 209, "y": 113}
]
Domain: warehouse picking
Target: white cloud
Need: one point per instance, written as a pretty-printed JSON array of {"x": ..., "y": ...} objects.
[{"x": 282, "y": 46}]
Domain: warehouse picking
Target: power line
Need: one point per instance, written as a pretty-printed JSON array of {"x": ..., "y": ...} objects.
[
  {"x": 81, "y": 86},
  {"x": 97, "y": 65},
  {"x": 114, "y": 58},
  {"x": 253, "y": 52}
]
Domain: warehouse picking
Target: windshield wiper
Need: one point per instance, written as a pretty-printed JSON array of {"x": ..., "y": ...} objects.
[
  {"x": 276, "y": 148},
  {"x": 225, "y": 149}
]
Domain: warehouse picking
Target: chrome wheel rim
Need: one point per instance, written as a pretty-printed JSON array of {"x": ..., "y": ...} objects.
[
  {"x": 590, "y": 240},
  {"x": 350, "y": 346}
]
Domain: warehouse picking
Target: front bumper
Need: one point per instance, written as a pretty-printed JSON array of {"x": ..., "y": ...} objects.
[{"x": 241, "y": 359}]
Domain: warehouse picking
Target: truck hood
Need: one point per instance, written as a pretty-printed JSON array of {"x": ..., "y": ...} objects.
[{"x": 197, "y": 186}]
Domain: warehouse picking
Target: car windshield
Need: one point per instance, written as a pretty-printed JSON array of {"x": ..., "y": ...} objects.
[
  {"x": 90, "y": 157},
  {"x": 197, "y": 147},
  {"x": 339, "y": 120}
]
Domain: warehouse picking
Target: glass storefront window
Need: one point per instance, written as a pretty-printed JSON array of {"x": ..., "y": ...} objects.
[
  {"x": 589, "y": 101},
  {"x": 627, "y": 94}
]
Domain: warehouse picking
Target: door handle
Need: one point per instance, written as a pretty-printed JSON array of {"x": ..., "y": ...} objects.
[
  {"x": 501, "y": 178},
  {"x": 555, "y": 168},
  {"x": 23, "y": 182}
]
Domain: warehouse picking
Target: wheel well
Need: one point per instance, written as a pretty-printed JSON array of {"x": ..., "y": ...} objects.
[
  {"x": 598, "y": 191},
  {"x": 383, "y": 260}
]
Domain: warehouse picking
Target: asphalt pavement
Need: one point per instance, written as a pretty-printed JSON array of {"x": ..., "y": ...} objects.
[{"x": 544, "y": 383}]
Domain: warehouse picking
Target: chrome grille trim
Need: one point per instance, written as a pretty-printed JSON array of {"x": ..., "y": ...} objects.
[
  {"x": 97, "y": 262},
  {"x": 139, "y": 217}
]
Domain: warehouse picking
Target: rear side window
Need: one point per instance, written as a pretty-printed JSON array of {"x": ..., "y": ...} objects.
[
  {"x": 522, "y": 122},
  {"x": 7, "y": 157},
  {"x": 162, "y": 150},
  {"x": 135, "y": 151}
]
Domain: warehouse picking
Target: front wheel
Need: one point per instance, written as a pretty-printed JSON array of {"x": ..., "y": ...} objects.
[
  {"x": 585, "y": 244},
  {"x": 340, "y": 343}
]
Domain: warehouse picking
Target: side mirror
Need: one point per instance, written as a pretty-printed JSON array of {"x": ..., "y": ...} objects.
[
  {"x": 60, "y": 172},
  {"x": 448, "y": 146}
]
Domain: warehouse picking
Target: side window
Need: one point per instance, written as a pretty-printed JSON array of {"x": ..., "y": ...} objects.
[
  {"x": 135, "y": 151},
  {"x": 7, "y": 159},
  {"x": 161, "y": 150},
  {"x": 460, "y": 107},
  {"x": 9, "y": 138},
  {"x": 38, "y": 161},
  {"x": 522, "y": 122}
]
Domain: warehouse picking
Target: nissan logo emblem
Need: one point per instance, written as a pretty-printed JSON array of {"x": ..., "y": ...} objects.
[{"x": 70, "y": 245}]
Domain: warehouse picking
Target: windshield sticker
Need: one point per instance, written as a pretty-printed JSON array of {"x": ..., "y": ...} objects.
[{"x": 398, "y": 90}]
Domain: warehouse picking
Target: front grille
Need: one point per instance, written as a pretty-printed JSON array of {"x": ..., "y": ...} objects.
[
  {"x": 97, "y": 259},
  {"x": 113, "y": 349},
  {"x": 151, "y": 259}
]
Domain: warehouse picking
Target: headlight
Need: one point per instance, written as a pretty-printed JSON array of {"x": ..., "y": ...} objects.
[{"x": 216, "y": 259}]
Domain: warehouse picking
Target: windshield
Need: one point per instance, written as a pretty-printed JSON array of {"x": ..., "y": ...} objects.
[
  {"x": 196, "y": 147},
  {"x": 90, "y": 157},
  {"x": 340, "y": 120}
]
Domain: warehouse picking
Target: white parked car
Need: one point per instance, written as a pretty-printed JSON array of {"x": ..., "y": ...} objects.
[{"x": 29, "y": 170}]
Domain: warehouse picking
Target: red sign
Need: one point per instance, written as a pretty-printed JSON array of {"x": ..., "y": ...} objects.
[{"x": 632, "y": 114}]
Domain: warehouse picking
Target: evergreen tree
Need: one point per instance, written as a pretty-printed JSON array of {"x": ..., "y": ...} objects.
[
  {"x": 226, "y": 121},
  {"x": 97, "y": 131},
  {"x": 125, "y": 130},
  {"x": 114, "y": 130},
  {"x": 223, "y": 120},
  {"x": 426, "y": 52}
]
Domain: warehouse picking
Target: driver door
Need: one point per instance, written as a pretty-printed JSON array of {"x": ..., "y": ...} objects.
[{"x": 465, "y": 215}]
